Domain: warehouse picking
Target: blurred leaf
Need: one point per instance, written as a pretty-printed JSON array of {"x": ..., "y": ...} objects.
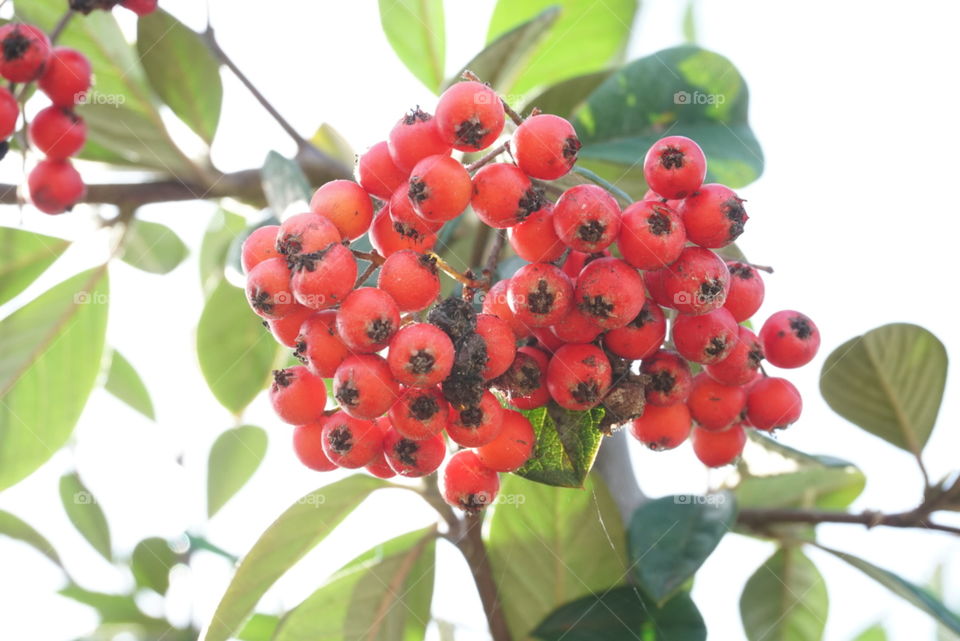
[
  {"x": 286, "y": 541},
  {"x": 235, "y": 351},
  {"x": 587, "y": 37},
  {"x": 284, "y": 183},
  {"x": 153, "y": 247},
  {"x": 25, "y": 256},
  {"x": 415, "y": 30},
  {"x": 889, "y": 382},
  {"x": 121, "y": 610},
  {"x": 50, "y": 349},
  {"x": 182, "y": 70},
  {"x": 671, "y": 537},
  {"x": 873, "y": 633},
  {"x": 550, "y": 545},
  {"x": 566, "y": 96},
  {"x": 681, "y": 91},
  {"x": 623, "y": 614},
  {"x": 786, "y": 598},
  {"x": 690, "y": 22},
  {"x": 16, "y": 528},
  {"x": 260, "y": 627},
  {"x": 567, "y": 444},
  {"x": 151, "y": 563},
  {"x": 329, "y": 140},
  {"x": 223, "y": 228},
  {"x": 234, "y": 457},
  {"x": 383, "y": 594},
  {"x": 936, "y": 588},
  {"x": 84, "y": 512},
  {"x": 124, "y": 383}
]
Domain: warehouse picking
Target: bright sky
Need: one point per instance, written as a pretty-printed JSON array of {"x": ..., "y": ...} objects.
[{"x": 854, "y": 106}]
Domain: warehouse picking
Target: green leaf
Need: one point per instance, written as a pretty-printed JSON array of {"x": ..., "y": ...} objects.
[
  {"x": 415, "y": 30},
  {"x": 383, "y": 594},
  {"x": 120, "y": 610},
  {"x": 551, "y": 545},
  {"x": 671, "y": 537},
  {"x": 566, "y": 96},
  {"x": 151, "y": 563},
  {"x": 153, "y": 247},
  {"x": 690, "y": 22},
  {"x": 260, "y": 627},
  {"x": 681, "y": 91},
  {"x": 25, "y": 256},
  {"x": 567, "y": 444},
  {"x": 587, "y": 37},
  {"x": 234, "y": 457},
  {"x": 623, "y": 614},
  {"x": 223, "y": 228},
  {"x": 84, "y": 512},
  {"x": 785, "y": 599},
  {"x": 16, "y": 528},
  {"x": 49, "y": 349},
  {"x": 182, "y": 70},
  {"x": 873, "y": 633},
  {"x": 284, "y": 183},
  {"x": 889, "y": 382},
  {"x": 124, "y": 383},
  {"x": 904, "y": 589},
  {"x": 329, "y": 140},
  {"x": 286, "y": 541},
  {"x": 235, "y": 352}
]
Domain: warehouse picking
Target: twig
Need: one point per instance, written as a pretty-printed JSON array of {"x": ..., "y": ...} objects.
[
  {"x": 493, "y": 258},
  {"x": 514, "y": 116},
  {"x": 762, "y": 268},
  {"x": 61, "y": 26},
  {"x": 450, "y": 271},
  {"x": 488, "y": 157},
  {"x": 372, "y": 267},
  {"x": 371, "y": 256},
  {"x": 762, "y": 519}
]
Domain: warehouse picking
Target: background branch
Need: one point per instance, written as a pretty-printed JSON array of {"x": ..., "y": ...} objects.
[{"x": 763, "y": 519}]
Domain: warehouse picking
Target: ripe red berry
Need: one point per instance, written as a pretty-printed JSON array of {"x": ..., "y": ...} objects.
[
  {"x": 66, "y": 77},
  {"x": 477, "y": 425},
  {"x": 742, "y": 364},
  {"x": 319, "y": 346},
  {"x": 713, "y": 216},
  {"x": 610, "y": 292},
  {"x": 576, "y": 327},
  {"x": 308, "y": 446},
  {"x": 586, "y": 218},
  {"x": 641, "y": 337},
  {"x": 656, "y": 289},
  {"x": 59, "y": 133},
  {"x": 495, "y": 303},
  {"x": 773, "y": 403},
  {"x": 718, "y": 448},
  {"x": 260, "y": 245},
  {"x": 790, "y": 339},
  {"x": 378, "y": 466},
  {"x": 420, "y": 412},
  {"x": 539, "y": 294},
  {"x": 389, "y": 236},
  {"x": 298, "y": 397},
  {"x": 707, "y": 338},
  {"x": 378, "y": 174},
  {"x": 24, "y": 50},
  {"x": 545, "y": 146},
  {"x": 440, "y": 188},
  {"x": 526, "y": 381},
  {"x": 713, "y": 405},
  {"x": 470, "y": 116},
  {"x": 351, "y": 442},
  {"x": 413, "y": 458},
  {"x": 9, "y": 113},
  {"x": 414, "y": 138},
  {"x": 268, "y": 290},
  {"x": 55, "y": 186},
  {"x": 420, "y": 355},
  {"x": 287, "y": 329},
  {"x": 697, "y": 282},
  {"x": 346, "y": 205},
  {"x": 670, "y": 378},
  {"x": 512, "y": 447},
  {"x": 468, "y": 484},
  {"x": 364, "y": 386},
  {"x": 662, "y": 427},
  {"x": 548, "y": 340},
  {"x": 305, "y": 234},
  {"x": 675, "y": 167},
  {"x": 407, "y": 222},
  {"x": 500, "y": 342},
  {"x": 535, "y": 240},
  {"x": 578, "y": 376},
  {"x": 651, "y": 235},
  {"x": 746, "y": 291},
  {"x": 140, "y": 7},
  {"x": 504, "y": 196},
  {"x": 323, "y": 278},
  {"x": 367, "y": 320},
  {"x": 410, "y": 279}
]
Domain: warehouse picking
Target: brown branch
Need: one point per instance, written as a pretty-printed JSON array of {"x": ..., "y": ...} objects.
[
  {"x": 470, "y": 543},
  {"x": 490, "y": 267},
  {"x": 761, "y": 519},
  {"x": 487, "y": 157}
]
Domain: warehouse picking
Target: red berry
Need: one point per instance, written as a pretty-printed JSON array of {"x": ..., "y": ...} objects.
[
  {"x": 575, "y": 327},
  {"x": 140, "y": 7},
  {"x": 545, "y": 146},
  {"x": 378, "y": 174},
  {"x": 718, "y": 448},
  {"x": 697, "y": 282},
  {"x": 364, "y": 386},
  {"x": 548, "y": 340},
  {"x": 468, "y": 484},
  {"x": 495, "y": 303},
  {"x": 420, "y": 412},
  {"x": 675, "y": 167},
  {"x": 319, "y": 346},
  {"x": 379, "y": 466},
  {"x": 410, "y": 279},
  {"x": 268, "y": 290},
  {"x": 535, "y": 239},
  {"x": 298, "y": 397},
  {"x": 9, "y": 113},
  {"x": 440, "y": 188},
  {"x": 500, "y": 342},
  {"x": 662, "y": 427},
  {"x": 713, "y": 216},
  {"x": 526, "y": 381},
  {"x": 670, "y": 378},
  {"x": 308, "y": 446},
  {"x": 656, "y": 289},
  {"x": 55, "y": 186},
  {"x": 610, "y": 292},
  {"x": 578, "y": 376},
  {"x": 790, "y": 339},
  {"x": 503, "y": 195},
  {"x": 367, "y": 320},
  {"x": 66, "y": 77},
  {"x": 24, "y": 50},
  {"x": 306, "y": 234},
  {"x": 586, "y": 218},
  {"x": 420, "y": 355},
  {"x": 512, "y": 447},
  {"x": 351, "y": 442},
  {"x": 389, "y": 237},
  {"x": 347, "y": 206},
  {"x": 773, "y": 403},
  {"x": 414, "y": 138},
  {"x": 651, "y": 235},
  {"x": 287, "y": 329},
  {"x": 713, "y": 405},
  {"x": 470, "y": 116},
  {"x": 708, "y": 338},
  {"x": 477, "y": 425},
  {"x": 413, "y": 458},
  {"x": 260, "y": 245},
  {"x": 641, "y": 337},
  {"x": 324, "y": 278},
  {"x": 408, "y": 223},
  {"x": 746, "y": 291},
  {"x": 539, "y": 294},
  {"x": 742, "y": 364}
]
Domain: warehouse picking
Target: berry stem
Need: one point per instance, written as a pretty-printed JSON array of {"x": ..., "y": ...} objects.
[
  {"x": 488, "y": 157},
  {"x": 762, "y": 268},
  {"x": 371, "y": 256},
  {"x": 372, "y": 267},
  {"x": 493, "y": 258},
  {"x": 466, "y": 281},
  {"x": 514, "y": 116}
]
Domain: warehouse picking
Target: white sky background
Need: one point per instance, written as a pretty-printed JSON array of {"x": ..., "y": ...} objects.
[{"x": 854, "y": 104}]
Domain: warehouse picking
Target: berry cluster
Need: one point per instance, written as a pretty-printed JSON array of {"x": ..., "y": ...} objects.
[{"x": 410, "y": 372}]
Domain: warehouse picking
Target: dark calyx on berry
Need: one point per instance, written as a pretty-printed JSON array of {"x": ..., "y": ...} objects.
[
  {"x": 424, "y": 408},
  {"x": 541, "y": 299},
  {"x": 659, "y": 223},
  {"x": 415, "y": 114},
  {"x": 421, "y": 362},
  {"x": 455, "y": 316},
  {"x": 406, "y": 451},
  {"x": 801, "y": 327},
  {"x": 340, "y": 439},
  {"x": 282, "y": 377},
  {"x": 348, "y": 395},
  {"x": 672, "y": 158},
  {"x": 471, "y": 133},
  {"x": 737, "y": 215}
]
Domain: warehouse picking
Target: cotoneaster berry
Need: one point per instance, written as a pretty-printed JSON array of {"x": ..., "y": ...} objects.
[
  {"x": 707, "y": 338},
  {"x": 346, "y": 205},
  {"x": 713, "y": 216},
  {"x": 535, "y": 239},
  {"x": 378, "y": 174},
  {"x": 697, "y": 282},
  {"x": 504, "y": 196},
  {"x": 512, "y": 447},
  {"x": 268, "y": 289},
  {"x": 576, "y": 327},
  {"x": 476, "y": 425},
  {"x": 66, "y": 77},
  {"x": 140, "y": 7},
  {"x": 742, "y": 363},
  {"x": 773, "y": 403},
  {"x": 260, "y": 245},
  {"x": 298, "y": 397},
  {"x": 350, "y": 442},
  {"x": 610, "y": 292},
  {"x": 378, "y": 465},
  {"x": 790, "y": 339},
  {"x": 675, "y": 167},
  {"x": 539, "y": 294},
  {"x": 746, "y": 291},
  {"x": 670, "y": 378},
  {"x": 525, "y": 382},
  {"x": 500, "y": 344},
  {"x": 323, "y": 278},
  {"x": 641, "y": 337},
  {"x": 308, "y": 446},
  {"x": 57, "y": 132},
  {"x": 414, "y": 138},
  {"x": 662, "y": 427},
  {"x": 469, "y": 116},
  {"x": 9, "y": 113},
  {"x": 411, "y": 280},
  {"x": 55, "y": 186},
  {"x": 651, "y": 235},
  {"x": 420, "y": 355},
  {"x": 578, "y": 376},
  {"x": 586, "y": 218},
  {"x": 715, "y": 406},
  {"x": 305, "y": 234},
  {"x": 24, "y": 51},
  {"x": 439, "y": 188},
  {"x": 413, "y": 458},
  {"x": 419, "y": 412},
  {"x": 468, "y": 484},
  {"x": 718, "y": 448},
  {"x": 287, "y": 329},
  {"x": 364, "y": 386},
  {"x": 318, "y": 344},
  {"x": 367, "y": 320},
  {"x": 545, "y": 146},
  {"x": 496, "y": 303},
  {"x": 389, "y": 236}
]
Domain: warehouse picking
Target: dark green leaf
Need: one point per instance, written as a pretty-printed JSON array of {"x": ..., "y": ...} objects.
[
  {"x": 85, "y": 513},
  {"x": 124, "y": 383},
  {"x": 16, "y": 528},
  {"x": 49, "y": 349},
  {"x": 153, "y": 247},
  {"x": 383, "y": 594},
  {"x": 260, "y": 627},
  {"x": 284, "y": 183},
  {"x": 223, "y": 228},
  {"x": 623, "y": 614},
  {"x": 329, "y": 140},
  {"x": 681, "y": 91},
  {"x": 25, "y": 256},
  {"x": 873, "y": 633},
  {"x": 890, "y": 382},
  {"x": 671, "y": 537},
  {"x": 566, "y": 96},
  {"x": 182, "y": 70},
  {"x": 286, "y": 541},
  {"x": 567, "y": 444},
  {"x": 416, "y": 31},
  {"x": 551, "y": 545},
  {"x": 151, "y": 563},
  {"x": 234, "y": 457},
  {"x": 785, "y": 599}
]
